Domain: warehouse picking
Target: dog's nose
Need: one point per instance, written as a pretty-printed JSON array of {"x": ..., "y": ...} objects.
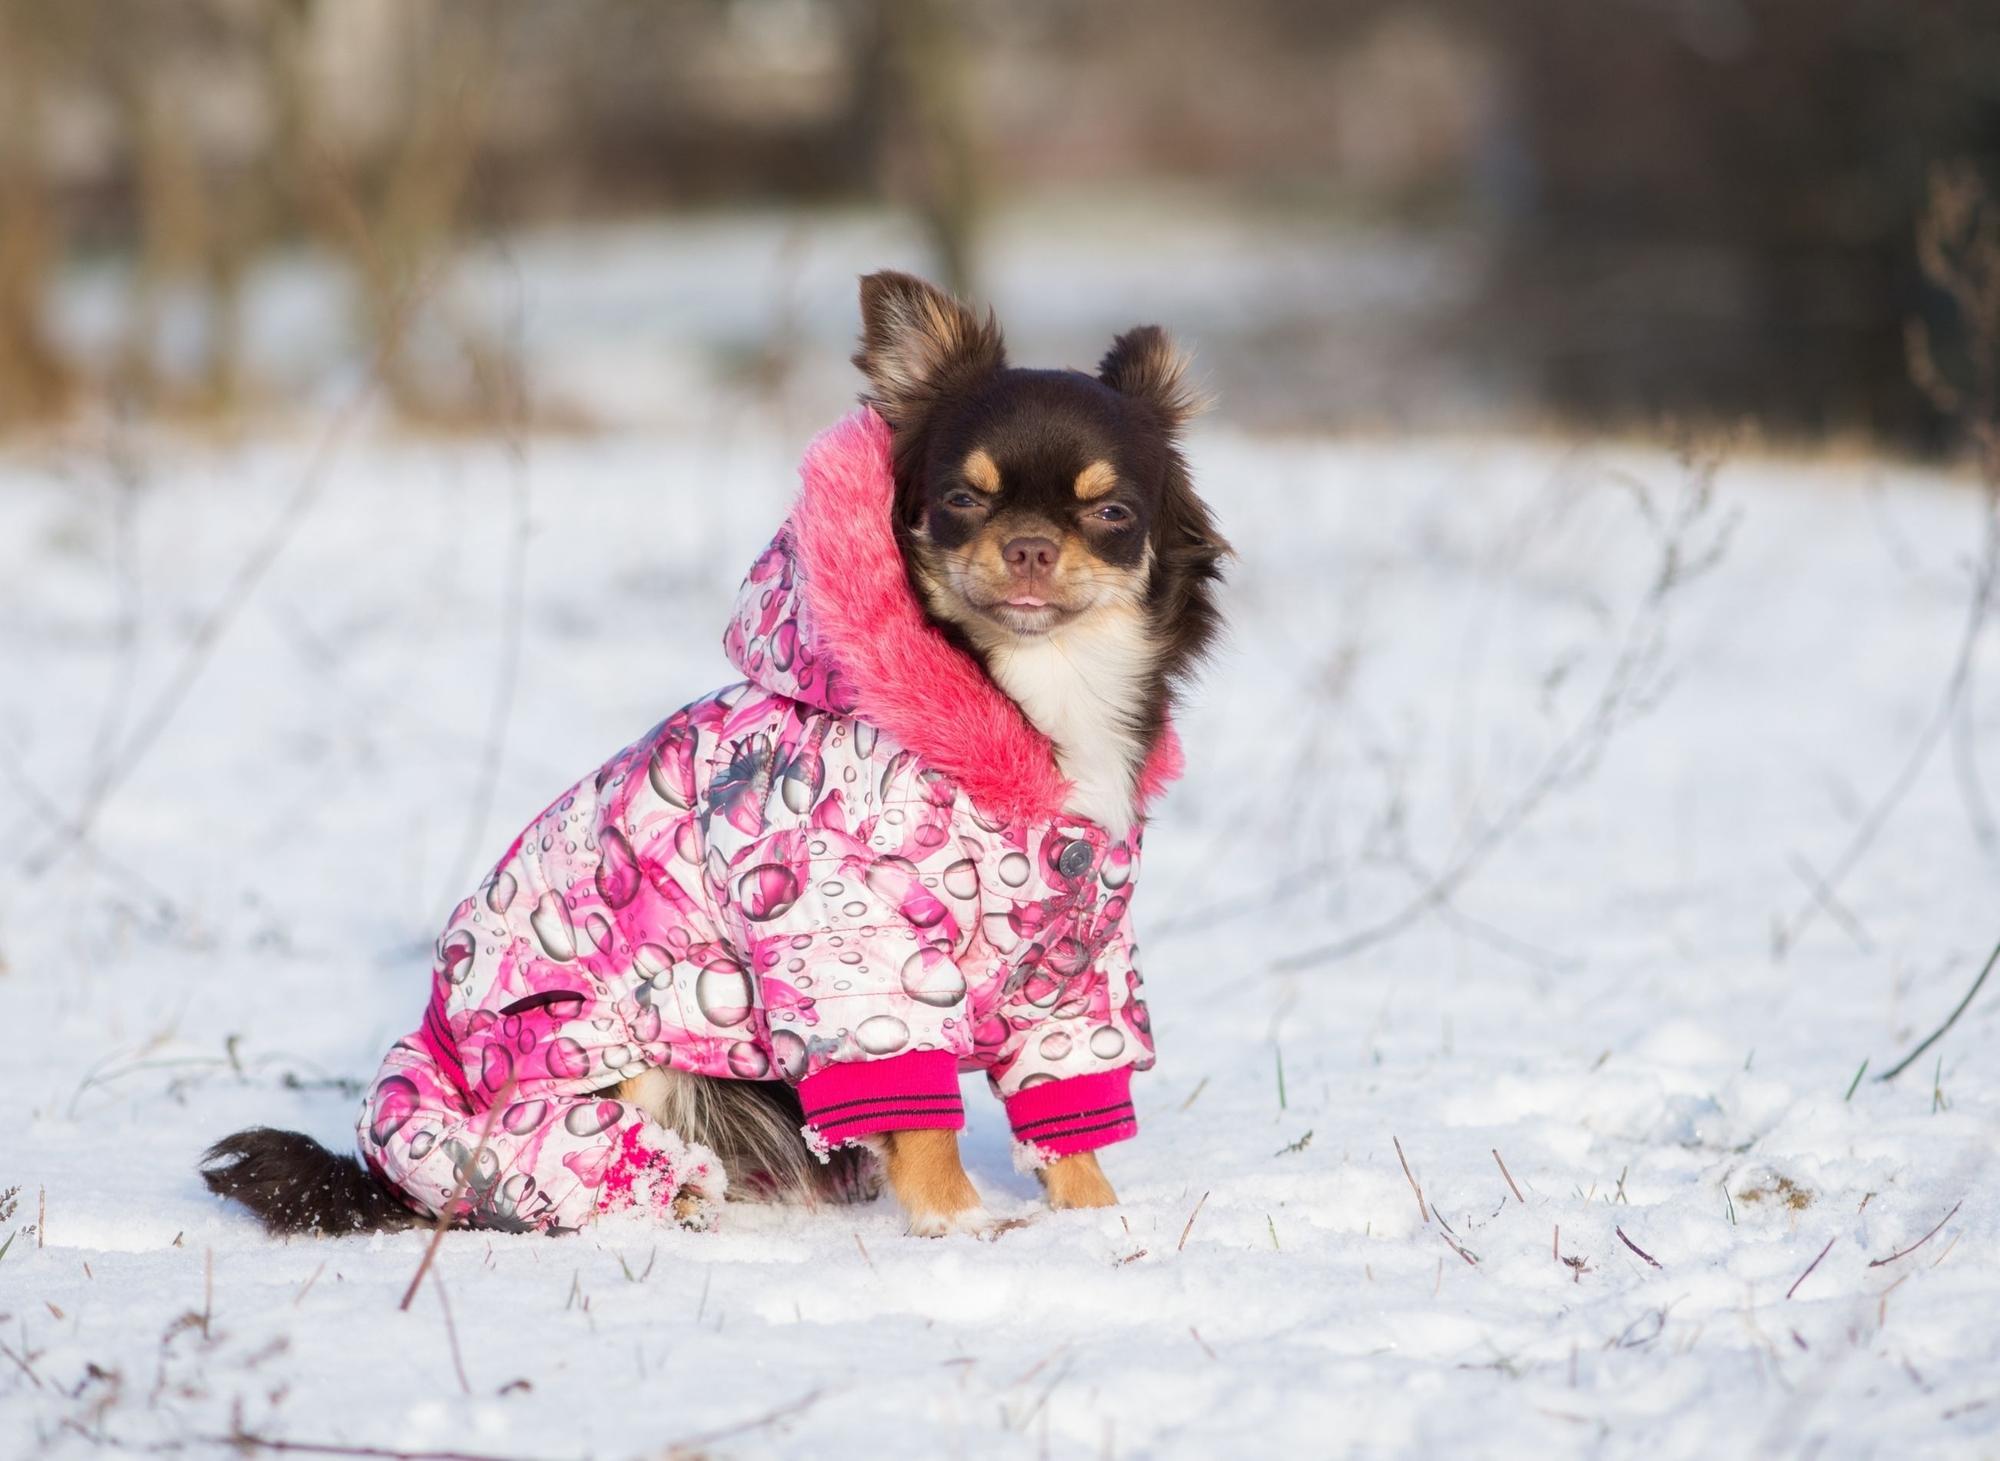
[{"x": 1029, "y": 557}]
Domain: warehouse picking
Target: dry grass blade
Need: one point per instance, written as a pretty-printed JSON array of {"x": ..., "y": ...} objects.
[
  {"x": 1636, "y": 1248},
  {"x": 1906, "y": 1252},
  {"x": 448, "y": 1210},
  {"x": 1811, "y": 1266},
  {"x": 242, "y": 1440},
  {"x": 1190, "y": 1223},
  {"x": 694, "y": 1446},
  {"x": 26, "y": 1368},
  {"x": 1904, "y": 1064},
  {"x": 451, "y": 1334},
  {"x": 1510, "y": 1178},
  {"x": 1423, "y": 1208}
]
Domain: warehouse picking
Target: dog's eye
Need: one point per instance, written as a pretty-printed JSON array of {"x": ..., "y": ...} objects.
[
  {"x": 961, "y": 500},
  {"x": 1113, "y": 513}
]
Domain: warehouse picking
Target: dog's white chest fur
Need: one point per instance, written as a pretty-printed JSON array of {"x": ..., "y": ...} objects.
[{"x": 1083, "y": 686}]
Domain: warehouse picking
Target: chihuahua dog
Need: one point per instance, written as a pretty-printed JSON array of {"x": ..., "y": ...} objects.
[
  {"x": 776, "y": 928},
  {"x": 1049, "y": 525}
]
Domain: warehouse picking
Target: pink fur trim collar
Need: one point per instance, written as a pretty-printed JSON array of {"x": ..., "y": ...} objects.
[{"x": 903, "y": 675}]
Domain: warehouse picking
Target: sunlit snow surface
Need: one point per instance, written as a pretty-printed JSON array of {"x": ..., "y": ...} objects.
[{"x": 1414, "y": 625}]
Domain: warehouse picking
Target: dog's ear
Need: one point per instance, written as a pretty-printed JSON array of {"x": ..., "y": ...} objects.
[
  {"x": 918, "y": 343},
  {"x": 1145, "y": 364}
]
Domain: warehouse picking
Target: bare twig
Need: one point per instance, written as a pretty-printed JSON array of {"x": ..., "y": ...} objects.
[
  {"x": 26, "y": 1368},
  {"x": 1460, "y": 1249},
  {"x": 1631, "y": 686},
  {"x": 1965, "y": 762},
  {"x": 1510, "y": 1178},
  {"x": 1423, "y": 1208},
  {"x": 1190, "y": 1223},
  {"x": 446, "y": 1211},
  {"x": 451, "y": 1334},
  {"x": 48, "y": 813},
  {"x": 128, "y": 476},
  {"x": 1830, "y": 905},
  {"x": 250, "y": 1441},
  {"x": 307, "y": 1288},
  {"x": 1906, "y": 1252},
  {"x": 692, "y": 1446},
  {"x": 514, "y": 600},
  {"x": 1958, "y": 245},
  {"x": 249, "y": 575},
  {"x": 1900, "y": 1066},
  {"x": 1811, "y": 1266},
  {"x": 1636, "y": 1248},
  {"x": 1919, "y": 756}
]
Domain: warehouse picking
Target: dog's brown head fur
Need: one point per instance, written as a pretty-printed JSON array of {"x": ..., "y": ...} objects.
[{"x": 1033, "y": 504}]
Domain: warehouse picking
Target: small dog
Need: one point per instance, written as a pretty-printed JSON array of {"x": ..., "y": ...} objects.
[{"x": 752, "y": 952}]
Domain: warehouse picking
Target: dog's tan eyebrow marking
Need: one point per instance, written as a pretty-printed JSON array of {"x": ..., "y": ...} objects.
[
  {"x": 982, "y": 471},
  {"x": 1095, "y": 480}
]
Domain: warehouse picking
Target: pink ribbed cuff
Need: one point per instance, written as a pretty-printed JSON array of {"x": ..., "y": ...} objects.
[
  {"x": 1080, "y": 1114},
  {"x": 914, "y": 1092}
]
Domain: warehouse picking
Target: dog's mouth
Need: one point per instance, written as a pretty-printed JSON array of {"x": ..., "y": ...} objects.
[
  {"x": 1026, "y": 612},
  {"x": 987, "y": 603}
]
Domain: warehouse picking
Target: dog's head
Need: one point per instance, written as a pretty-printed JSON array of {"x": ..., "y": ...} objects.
[{"x": 1032, "y": 503}]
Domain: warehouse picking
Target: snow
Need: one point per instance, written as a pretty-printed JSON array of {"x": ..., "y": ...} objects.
[{"x": 1415, "y": 625}]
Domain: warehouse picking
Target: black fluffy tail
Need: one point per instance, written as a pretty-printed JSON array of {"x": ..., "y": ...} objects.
[{"x": 295, "y": 1185}]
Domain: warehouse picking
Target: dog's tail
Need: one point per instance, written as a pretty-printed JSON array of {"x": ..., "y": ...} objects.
[{"x": 295, "y": 1185}]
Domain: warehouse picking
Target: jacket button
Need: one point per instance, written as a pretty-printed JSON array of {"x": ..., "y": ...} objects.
[{"x": 1074, "y": 860}]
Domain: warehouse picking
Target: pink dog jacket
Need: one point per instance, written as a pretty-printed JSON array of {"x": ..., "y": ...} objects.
[{"x": 852, "y": 871}]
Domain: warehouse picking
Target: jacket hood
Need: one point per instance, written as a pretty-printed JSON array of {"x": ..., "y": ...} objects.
[{"x": 826, "y": 616}]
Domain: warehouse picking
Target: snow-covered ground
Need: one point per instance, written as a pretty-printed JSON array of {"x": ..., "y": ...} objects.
[{"x": 1417, "y": 628}]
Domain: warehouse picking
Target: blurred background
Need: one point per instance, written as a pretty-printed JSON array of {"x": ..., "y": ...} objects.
[{"x": 1625, "y": 214}]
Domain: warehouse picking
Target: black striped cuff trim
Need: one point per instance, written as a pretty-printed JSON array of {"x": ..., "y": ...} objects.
[
  {"x": 817, "y": 1111},
  {"x": 823, "y": 1126},
  {"x": 1126, "y": 1120},
  {"x": 1040, "y": 1121}
]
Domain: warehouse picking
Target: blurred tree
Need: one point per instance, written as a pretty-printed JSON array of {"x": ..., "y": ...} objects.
[
  {"x": 926, "y": 137},
  {"x": 395, "y": 211},
  {"x": 33, "y": 381},
  {"x": 1721, "y": 198}
]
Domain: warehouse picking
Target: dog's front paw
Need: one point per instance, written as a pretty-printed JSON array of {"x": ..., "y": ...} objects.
[
  {"x": 1077, "y": 1181},
  {"x": 971, "y": 1222}
]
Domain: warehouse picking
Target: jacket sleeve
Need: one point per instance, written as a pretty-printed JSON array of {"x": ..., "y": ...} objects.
[
  {"x": 1074, "y": 1028},
  {"x": 854, "y": 938}
]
